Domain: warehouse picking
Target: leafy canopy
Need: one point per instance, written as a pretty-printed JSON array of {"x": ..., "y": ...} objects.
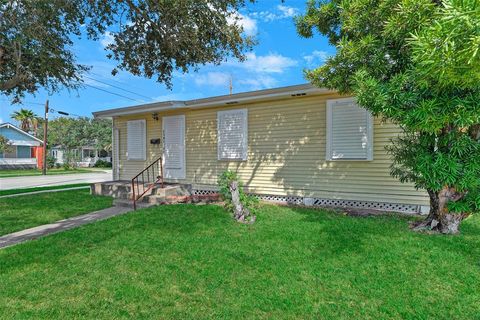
[
  {"x": 150, "y": 38},
  {"x": 72, "y": 133},
  {"x": 416, "y": 63}
]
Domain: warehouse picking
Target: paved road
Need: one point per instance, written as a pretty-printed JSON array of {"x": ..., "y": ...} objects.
[{"x": 53, "y": 180}]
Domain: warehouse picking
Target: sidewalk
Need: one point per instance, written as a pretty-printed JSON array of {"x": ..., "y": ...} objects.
[{"x": 62, "y": 225}]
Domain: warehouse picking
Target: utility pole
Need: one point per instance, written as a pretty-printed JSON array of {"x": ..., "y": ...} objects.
[
  {"x": 231, "y": 84},
  {"x": 45, "y": 131}
]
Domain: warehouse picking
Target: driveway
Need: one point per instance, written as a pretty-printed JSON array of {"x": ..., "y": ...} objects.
[{"x": 53, "y": 180}]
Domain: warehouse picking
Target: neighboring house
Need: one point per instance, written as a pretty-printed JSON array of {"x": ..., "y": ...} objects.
[
  {"x": 84, "y": 157},
  {"x": 25, "y": 148},
  {"x": 297, "y": 144}
]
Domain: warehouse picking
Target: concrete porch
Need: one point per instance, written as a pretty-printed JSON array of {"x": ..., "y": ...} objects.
[{"x": 171, "y": 193}]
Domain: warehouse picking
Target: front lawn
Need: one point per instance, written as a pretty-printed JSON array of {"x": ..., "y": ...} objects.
[
  {"x": 22, "y": 212},
  {"x": 35, "y": 172},
  {"x": 194, "y": 262}
]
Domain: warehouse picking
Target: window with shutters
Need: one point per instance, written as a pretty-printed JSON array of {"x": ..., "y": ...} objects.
[
  {"x": 136, "y": 140},
  {"x": 232, "y": 129},
  {"x": 349, "y": 131}
]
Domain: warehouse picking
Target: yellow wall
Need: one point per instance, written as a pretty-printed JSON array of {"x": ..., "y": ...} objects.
[{"x": 286, "y": 154}]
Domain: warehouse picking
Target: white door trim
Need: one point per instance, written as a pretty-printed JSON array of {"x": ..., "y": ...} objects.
[
  {"x": 116, "y": 154},
  {"x": 174, "y": 174}
]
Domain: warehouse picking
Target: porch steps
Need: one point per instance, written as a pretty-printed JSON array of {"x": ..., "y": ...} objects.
[{"x": 169, "y": 194}]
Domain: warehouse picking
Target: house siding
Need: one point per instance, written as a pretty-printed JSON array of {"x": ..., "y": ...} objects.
[{"x": 286, "y": 153}]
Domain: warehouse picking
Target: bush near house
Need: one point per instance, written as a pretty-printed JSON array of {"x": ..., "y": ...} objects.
[{"x": 102, "y": 164}]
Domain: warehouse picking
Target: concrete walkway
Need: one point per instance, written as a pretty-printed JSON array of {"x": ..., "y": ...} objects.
[
  {"x": 53, "y": 180},
  {"x": 62, "y": 225}
]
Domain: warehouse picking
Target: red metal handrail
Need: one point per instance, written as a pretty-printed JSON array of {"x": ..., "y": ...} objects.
[{"x": 149, "y": 172}]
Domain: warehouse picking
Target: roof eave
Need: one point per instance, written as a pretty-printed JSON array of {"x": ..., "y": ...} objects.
[{"x": 226, "y": 100}]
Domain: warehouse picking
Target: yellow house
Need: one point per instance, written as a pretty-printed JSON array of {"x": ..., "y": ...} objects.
[{"x": 297, "y": 144}]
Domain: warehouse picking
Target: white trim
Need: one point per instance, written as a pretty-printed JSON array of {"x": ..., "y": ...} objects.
[
  {"x": 24, "y": 143},
  {"x": 116, "y": 154},
  {"x": 9, "y": 125},
  {"x": 143, "y": 156},
  {"x": 329, "y": 118},
  {"x": 245, "y": 133}
]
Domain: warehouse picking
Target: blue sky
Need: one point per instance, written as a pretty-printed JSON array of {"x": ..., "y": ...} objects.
[{"x": 277, "y": 60}]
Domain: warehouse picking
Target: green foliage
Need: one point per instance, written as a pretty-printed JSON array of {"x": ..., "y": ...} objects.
[
  {"x": 102, "y": 164},
  {"x": 447, "y": 52},
  {"x": 250, "y": 202},
  {"x": 73, "y": 133},
  {"x": 29, "y": 121},
  {"x": 50, "y": 161},
  {"x": 417, "y": 64},
  {"x": 150, "y": 39},
  {"x": 5, "y": 145}
]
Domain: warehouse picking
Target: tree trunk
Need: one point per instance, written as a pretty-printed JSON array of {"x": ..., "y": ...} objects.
[
  {"x": 439, "y": 219},
  {"x": 240, "y": 213}
]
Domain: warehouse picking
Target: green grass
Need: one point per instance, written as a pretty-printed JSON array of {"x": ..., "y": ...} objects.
[
  {"x": 194, "y": 262},
  {"x": 35, "y": 172},
  {"x": 18, "y": 213},
  {"x": 26, "y": 190}
]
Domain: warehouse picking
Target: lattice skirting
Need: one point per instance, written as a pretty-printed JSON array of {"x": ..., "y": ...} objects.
[
  {"x": 319, "y": 202},
  {"x": 202, "y": 192}
]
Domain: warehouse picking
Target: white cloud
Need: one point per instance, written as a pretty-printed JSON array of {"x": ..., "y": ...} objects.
[
  {"x": 107, "y": 39},
  {"x": 287, "y": 12},
  {"x": 271, "y": 63},
  {"x": 255, "y": 82},
  {"x": 248, "y": 24},
  {"x": 212, "y": 79},
  {"x": 280, "y": 12},
  {"x": 316, "y": 57}
]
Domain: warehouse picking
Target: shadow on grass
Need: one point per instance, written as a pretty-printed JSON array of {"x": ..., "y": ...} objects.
[{"x": 346, "y": 234}]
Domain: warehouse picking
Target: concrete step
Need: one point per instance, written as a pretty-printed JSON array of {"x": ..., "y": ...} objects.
[
  {"x": 157, "y": 199},
  {"x": 129, "y": 203}
]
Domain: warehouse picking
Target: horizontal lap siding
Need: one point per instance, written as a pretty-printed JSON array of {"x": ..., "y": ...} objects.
[{"x": 286, "y": 154}]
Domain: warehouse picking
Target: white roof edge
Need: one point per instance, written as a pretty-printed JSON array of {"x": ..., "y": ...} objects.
[
  {"x": 216, "y": 101},
  {"x": 9, "y": 125}
]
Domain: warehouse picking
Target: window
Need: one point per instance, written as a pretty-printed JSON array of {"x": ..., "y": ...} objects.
[
  {"x": 136, "y": 140},
  {"x": 232, "y": 128},
  {"x": 349, "y": 131}
]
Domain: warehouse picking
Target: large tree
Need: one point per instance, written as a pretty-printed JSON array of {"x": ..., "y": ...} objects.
[
  {"x": 416, "y": 63},
  {"x": 150, "y": 38},
  {"x": 73, "y": 133}
]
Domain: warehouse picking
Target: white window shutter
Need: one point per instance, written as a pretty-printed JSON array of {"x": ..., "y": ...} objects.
[
  {"x": 136, "y": 140},
  {"x": 349, "y": 131},
  {"x": 232, "y": 129}
]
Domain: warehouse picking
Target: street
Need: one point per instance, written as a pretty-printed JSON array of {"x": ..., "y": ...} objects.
[{"x": 42, "y": 181}]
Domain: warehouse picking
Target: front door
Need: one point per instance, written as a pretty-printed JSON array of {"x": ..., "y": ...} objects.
[{"x": 174, "y": 147}]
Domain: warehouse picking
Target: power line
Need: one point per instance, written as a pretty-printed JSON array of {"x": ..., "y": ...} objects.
[
  {"x": 109, "y": 79},
  {"x": 24, "y": 102},
  {"x": 116, "y": 94},
  {"x": 114, "y": 86}
]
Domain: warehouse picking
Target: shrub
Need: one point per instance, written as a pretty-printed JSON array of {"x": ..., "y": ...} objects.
[
  {"x": 51, "y": 162},
  {"x": 248, "y": 201},
  {"x": 102, "y": 164}
]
